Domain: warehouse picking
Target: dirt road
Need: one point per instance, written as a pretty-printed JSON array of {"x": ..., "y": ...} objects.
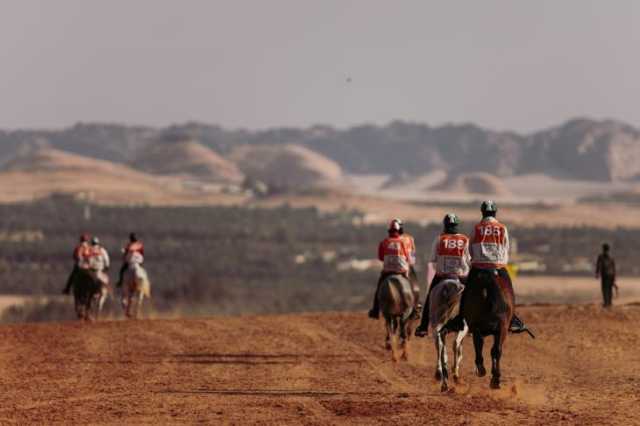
[{"x": 584, "y": 368}]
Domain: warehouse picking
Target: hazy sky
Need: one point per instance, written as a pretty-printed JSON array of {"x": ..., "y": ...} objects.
[{"x": 501, "y": 64}]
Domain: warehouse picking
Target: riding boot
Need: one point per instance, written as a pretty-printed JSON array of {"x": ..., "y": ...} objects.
[
  {"x": 423, "y": 329},
  {"x": 517, "y": 326},
  {"x": 121, "y": 276},
  {"x": 374, "y": 312},
  {"x": 67, "y": 288}
]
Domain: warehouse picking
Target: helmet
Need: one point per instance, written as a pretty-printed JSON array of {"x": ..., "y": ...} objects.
[
  {"x": 95, "y": 241},
  {"x": 488, "y": 208},
  {"x": 450, "y": 221},
  {"x": 395, "y": 225},
  {"x": 84, "y": 238},
  {"x": 400, "y": 223},
  {"x": 133, "y": 237}
]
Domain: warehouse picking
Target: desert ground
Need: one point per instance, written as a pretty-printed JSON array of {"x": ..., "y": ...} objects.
[{"x": 325, "y": 368}]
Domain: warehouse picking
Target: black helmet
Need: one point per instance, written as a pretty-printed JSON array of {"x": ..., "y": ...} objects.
[
  {"x": 450, "y": 221},
  {"x": 133, "y": 237},
  {"x": 488, "y": 208},
  {"x": 605, "y": 247},
  {"x": 395, "y": 226}
]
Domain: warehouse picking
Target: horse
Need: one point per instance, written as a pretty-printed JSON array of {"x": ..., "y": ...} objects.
[
  {"x": 86, "y": 290},
  {"x": 135, "y": 286},
  {"x": 487, "y": 307},
  {"x": 443, "y": 307},
  {"x": 396, "y": 300}
]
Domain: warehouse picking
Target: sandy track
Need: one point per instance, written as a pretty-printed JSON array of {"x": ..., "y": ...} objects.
[{"x": 584, "y": 368}]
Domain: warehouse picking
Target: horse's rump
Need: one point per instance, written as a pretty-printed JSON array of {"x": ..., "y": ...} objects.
[
  {"x": 136, "y": 279},
  {"x": 445, "y": 301},
  {"x": 396, "y": 296},
  {"x": 488, "y": 299}
]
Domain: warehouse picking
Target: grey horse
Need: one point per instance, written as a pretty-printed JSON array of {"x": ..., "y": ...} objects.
[
  {"x": 445, "y": 306},
  {"x": 396, "y": 301}
]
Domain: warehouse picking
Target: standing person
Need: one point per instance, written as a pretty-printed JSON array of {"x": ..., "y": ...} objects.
[
  {"x": 410, "y": 243},
  {"x": 490, "y": 251},
  {"x": 451, "y": 259},
  {"x": 134, "y": 246},
  {"x": 99, "y": 261},
  {"x": 396, "y": 259},
  {"x": 606, "y": 271},
  {"x": 81, "y": 254}
]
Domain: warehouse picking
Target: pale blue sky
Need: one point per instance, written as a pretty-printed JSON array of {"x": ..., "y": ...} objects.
[{"x": 256, "y": 64}]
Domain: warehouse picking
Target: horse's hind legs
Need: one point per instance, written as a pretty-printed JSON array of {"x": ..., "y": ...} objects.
[
  {"x": 496, "y": 354},
  {"x": 457, "y": 353},
  {"x": 443, "y": 367},
  {"x": 478, "y": 343}
]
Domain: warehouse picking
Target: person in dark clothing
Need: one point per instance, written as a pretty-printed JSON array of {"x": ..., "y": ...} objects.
[{"x": 606, "y": 271}]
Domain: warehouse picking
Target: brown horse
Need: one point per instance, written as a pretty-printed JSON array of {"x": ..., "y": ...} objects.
[
  {"x": 86, "y": 290},
  {"x": 396, "y": 299},
  {"x": 487, "y": 306}
]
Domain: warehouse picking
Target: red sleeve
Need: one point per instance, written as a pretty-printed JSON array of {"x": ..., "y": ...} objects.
[{"x": 381, "y": 251}]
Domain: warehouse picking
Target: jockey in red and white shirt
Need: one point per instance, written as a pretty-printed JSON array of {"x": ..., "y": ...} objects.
[
  {"x": 99, "y": 261},
  {"x": 490, "y": 244},
  {"x": 490, "y": 251},
  {"x": 135, "y": 247},
  {"x": 81, "y": 254},
  {"x": 395, "y": 257},
  {"x": 451, "y": 258}
]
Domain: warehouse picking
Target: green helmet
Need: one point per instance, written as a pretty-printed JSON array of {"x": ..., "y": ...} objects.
[
  {"x": 450, "y": 221},
  {"x": 488, "y": 208}
]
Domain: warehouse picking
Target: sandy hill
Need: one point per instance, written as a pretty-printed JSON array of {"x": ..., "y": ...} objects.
[
  {"x": 474, "y": 183},
  {"x": 287, "y": 166},
  {"x": 42, "y": 171},
  {"x": 187, "y": 158},
  {"x": 327, "y": 368}
]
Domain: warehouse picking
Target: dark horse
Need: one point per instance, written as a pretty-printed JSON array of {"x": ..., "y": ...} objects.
[
  {"x": 86, "y": 289},
  {"x": 488, "y": 304}
]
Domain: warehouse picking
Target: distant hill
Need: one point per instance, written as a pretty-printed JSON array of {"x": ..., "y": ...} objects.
[
  {"x": 41, "y": 171},
  {"x": 186, "y": 158},
  {"x": 286, "y": 166},
  {"x": 580, "y": 149},
  {"x": 474, "y": 183}
]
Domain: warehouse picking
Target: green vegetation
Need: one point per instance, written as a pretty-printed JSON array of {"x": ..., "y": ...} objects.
[{"x": 240, "y": 260}]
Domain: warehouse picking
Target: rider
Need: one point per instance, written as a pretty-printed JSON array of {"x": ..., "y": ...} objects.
[
  {"x": 396, "y": 258},
  {"x": 134, "y": 246},
  {"x": 490, "y": 251},
  {"x": 99, "y": 260},
  {"x": 450, "y": 255},
  {"x": 410, "y": 243},
  {"x": 80, "y": 258}
]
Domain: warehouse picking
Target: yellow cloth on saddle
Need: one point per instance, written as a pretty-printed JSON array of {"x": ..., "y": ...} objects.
[{"x": 512, "y": 269}]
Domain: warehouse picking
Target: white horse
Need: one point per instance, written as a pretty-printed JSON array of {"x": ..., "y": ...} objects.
[
  {"x": 445, "y": 306},
  {"x": 101, "y": 297},
  {"x": 135, "y": 285}
]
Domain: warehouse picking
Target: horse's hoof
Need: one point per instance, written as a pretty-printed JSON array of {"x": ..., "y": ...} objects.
[
  {"x": 444, "y": 387},
  {"x": 480, "y": 371},
  {"x": 456, "y": 380},
  {"x": 495, "y": 383},
  {"x": 387, "y": 346},
  {"x": 404, "y": 357},
  {"x": 438, "y": 376}
]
